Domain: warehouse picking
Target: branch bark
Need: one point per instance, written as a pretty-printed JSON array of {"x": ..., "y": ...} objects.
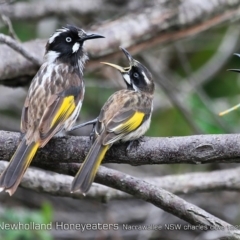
[
  {"x": 196, "y": 149},
  {"x": 58, "y": 184},
  {"x": 208, "y": 147},
  {"x": 37, "y": 10},
  {"x": 15, "y": 65},
  {"x": 139, "y": 31},
  {"x": 166, "y": 201},
  {"x": 160, "y": 198}
]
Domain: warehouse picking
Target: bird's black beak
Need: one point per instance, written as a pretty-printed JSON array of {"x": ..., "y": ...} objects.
[
  {"x": 91, "y": 36},
  {"x": 129, "y": 56}
]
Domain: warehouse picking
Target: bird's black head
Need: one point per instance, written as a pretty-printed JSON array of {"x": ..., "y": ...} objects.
[
  {"x": 66, "y": 45},
  {"x": 136, "y": 76}
]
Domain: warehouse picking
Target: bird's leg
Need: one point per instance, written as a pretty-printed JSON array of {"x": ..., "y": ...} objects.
[
  {"x": 92, "y": 134},
  {"x": 134, "y": 143},
  {"x": 92, "y": 122}
]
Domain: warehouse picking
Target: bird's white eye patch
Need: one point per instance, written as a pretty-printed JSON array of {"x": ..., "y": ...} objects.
[
  {"x": 68, "y": 39},
  {"x": 75, "y": 47},
  {"x": 127, "y": 78},
  {"x": 52, "y": 38}
]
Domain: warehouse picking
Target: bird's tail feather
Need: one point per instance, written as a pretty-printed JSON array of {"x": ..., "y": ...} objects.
[
  {"x": 19, "y": 163},
  {"x": 86, "y": 174}
]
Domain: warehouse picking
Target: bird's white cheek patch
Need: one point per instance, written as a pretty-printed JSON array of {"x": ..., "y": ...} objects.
[
  {"x": 127, "y": 78},
  {"x": 75, "y": 47},
  {"x": 52, "y": 56},
  {"x": 135, "y": 88}
]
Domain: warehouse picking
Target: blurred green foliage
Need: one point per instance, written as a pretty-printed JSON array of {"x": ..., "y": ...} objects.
[
  {"x": 24, "y": 30},
  {"x": 24, "y": 225}
]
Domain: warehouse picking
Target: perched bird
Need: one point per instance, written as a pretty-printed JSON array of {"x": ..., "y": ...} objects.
[
  {"x": 124, "y": 117},
  {"x": 53, "y": 101},
  {"x": 236, "y": 106}
]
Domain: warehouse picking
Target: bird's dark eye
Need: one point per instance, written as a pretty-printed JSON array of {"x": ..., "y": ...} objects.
[
  {"x": 68, "y": 39},
  {"x": 136, "y": 75}
]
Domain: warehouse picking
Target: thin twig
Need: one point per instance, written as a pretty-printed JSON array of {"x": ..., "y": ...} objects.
[
  {"x": 19, "y": 48},
  {"x": 165, "y": 83},
  {"x": 206, "y": 101},
  {"x": 228, "y": 45},
  {"x": 11, "y": 31}
]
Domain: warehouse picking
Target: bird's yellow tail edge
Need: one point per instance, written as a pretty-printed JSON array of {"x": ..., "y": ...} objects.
[
  {"x": 101, "y": 155},
  {"x": 87, "y": 172},
  {"x": 31, "y": 155},
  {"x": 18, "y": 165}
]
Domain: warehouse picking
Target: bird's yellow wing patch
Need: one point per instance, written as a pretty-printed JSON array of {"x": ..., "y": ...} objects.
[
  {"x": 130, "y": 124},
  {"x": 65, "y": 110}
]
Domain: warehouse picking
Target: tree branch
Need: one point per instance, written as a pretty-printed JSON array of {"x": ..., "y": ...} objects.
[
  {"x": 131, "y": 185},
  {"x": 37, "y": 10},
  {"x": 59, "y": 184},
  {"x": 158, "y": 197},
  {"x": 166, "y": 201},
  {"x": 134, "y": 186},
  {"x": 198, "y": 149},
  {"x": 155, "y": 25}
]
